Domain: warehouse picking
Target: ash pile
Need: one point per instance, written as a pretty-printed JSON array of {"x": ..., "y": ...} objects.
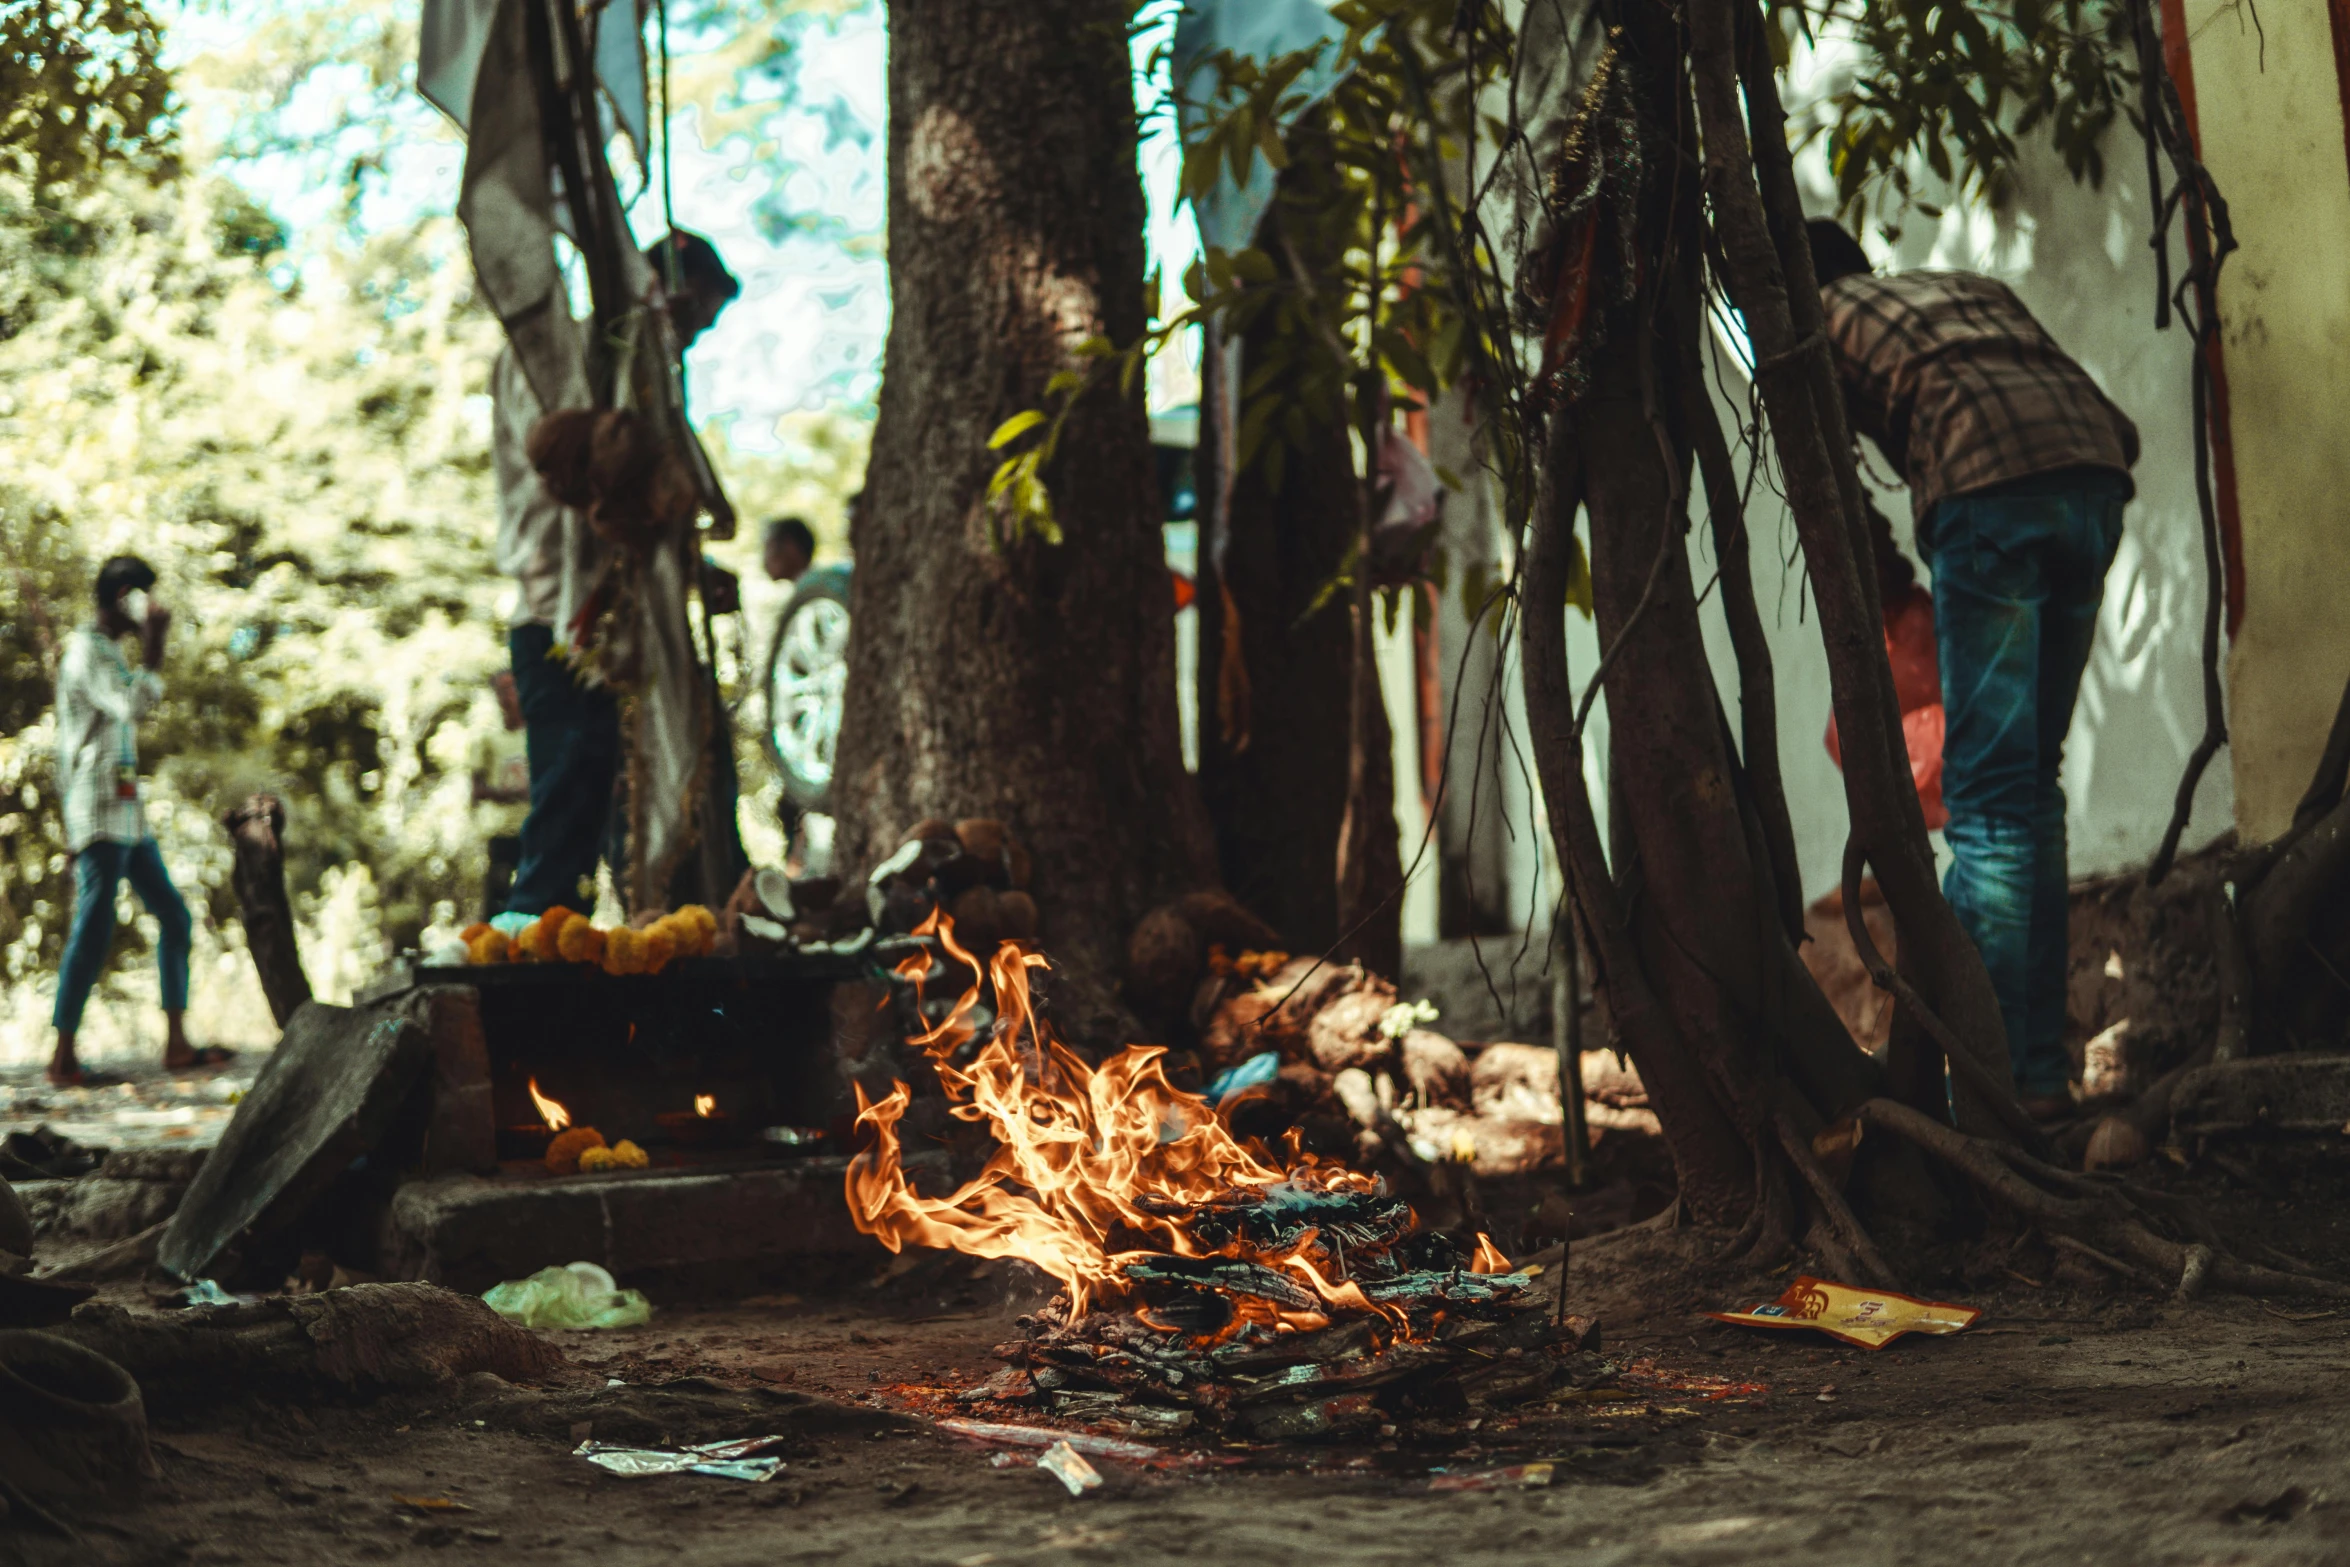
[{"x": 1457, "y": 1342}]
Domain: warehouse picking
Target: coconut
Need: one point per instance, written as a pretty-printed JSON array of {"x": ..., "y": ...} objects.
[{"x": 2116, "y": 1144}]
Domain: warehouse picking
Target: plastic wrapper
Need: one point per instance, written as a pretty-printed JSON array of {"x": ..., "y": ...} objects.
[
  {"x": 733, "y": 1460},
  {"x": 580, "y": 1296},
  {"x": 1066, "y": 1465},
  {"x": 1046, "y": 1436},
  {"x": 1869, "y": 1318},
  {"x": 1515, "y": 1477}
]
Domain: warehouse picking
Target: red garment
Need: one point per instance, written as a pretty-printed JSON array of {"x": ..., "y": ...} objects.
[{"x": 1917, "y": 685}]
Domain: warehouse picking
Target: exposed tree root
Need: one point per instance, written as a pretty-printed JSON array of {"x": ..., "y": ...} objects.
[
  {"x": 1834, "y": 1228},
  {"x": 1999, "y": 1096},
  {"x": 2112, "y": 1265},
  {"x": 2110, "y": 1220}
]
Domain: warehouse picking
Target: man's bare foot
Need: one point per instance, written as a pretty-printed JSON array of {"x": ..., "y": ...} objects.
[
  {"x": 180, "y": 1056},
  {"x": 66, "y": 1072}
]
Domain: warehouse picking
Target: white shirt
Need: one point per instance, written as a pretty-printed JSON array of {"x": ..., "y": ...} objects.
[
  {"x": 99, "y": 705},
  {"x": 544, "y": 546}
]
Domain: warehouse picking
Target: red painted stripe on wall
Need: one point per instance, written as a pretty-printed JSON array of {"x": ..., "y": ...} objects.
[
  {"x": 2181, "y": 60},
  {"x": 2338, "y": 12}
]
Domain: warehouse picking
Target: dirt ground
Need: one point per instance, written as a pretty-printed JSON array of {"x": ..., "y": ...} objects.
[{"x": 2070, "y": 1425}]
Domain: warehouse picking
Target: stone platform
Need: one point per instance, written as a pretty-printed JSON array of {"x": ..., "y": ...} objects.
[{"x": 469, "y": 1232}]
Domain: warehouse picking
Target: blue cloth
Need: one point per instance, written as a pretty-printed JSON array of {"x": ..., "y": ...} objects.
[
  {"x": 572, "y": 733},
  {"x": 98, "y": 870},
  {"x": 1254, "y": 1072},
  {"x": 2019, "y": 572}
]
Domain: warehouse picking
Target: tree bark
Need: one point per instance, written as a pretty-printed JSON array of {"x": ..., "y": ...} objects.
[
  {"x": 1018, "y": 679},
  {"x": 256, "y": 831},
  {"x": 1743, "y": 1057},
  {"x": 1768, "y": 267}
]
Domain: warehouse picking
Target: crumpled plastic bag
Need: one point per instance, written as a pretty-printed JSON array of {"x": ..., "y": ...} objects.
[
  {"x": 580, "y": 1296},
  {"x": 726, "y": 1460}
]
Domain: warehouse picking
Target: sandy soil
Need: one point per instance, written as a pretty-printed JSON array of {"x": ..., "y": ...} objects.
[{"x": 2069, "y": 1426}]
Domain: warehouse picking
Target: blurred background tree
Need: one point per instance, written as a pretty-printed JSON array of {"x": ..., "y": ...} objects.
[{"x": 280, "y": 399}]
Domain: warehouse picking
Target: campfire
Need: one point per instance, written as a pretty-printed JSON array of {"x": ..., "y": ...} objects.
[{"x": 1192, "y": 1265}]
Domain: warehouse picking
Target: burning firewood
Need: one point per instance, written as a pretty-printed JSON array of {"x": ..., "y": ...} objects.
[{"x": 1196, "y": 1271}]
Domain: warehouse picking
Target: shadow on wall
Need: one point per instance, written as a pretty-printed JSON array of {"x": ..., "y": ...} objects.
[{"x": 2077, "y": 256}]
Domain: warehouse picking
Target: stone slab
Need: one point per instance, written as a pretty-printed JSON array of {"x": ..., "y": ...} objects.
[
  {"x": 326, "y": 1096},
  {"x": 468, "y": 1232}
]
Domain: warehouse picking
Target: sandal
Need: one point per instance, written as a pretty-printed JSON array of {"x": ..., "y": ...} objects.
[{"x": 205, "y": 1059}]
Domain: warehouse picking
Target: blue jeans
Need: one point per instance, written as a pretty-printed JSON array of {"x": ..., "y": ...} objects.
[
  {"x": 97, "y": 871},
  {"x": 572, "y": 733},
  {"x": 2019, "y": 572}
]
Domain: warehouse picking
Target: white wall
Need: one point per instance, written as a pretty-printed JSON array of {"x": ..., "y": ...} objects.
[{"x": 2078, "y": 257}]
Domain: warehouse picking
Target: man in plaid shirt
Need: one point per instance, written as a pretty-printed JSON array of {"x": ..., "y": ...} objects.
[
  {"x": 99, "y": 704},
  {"x": 2018, "y": 469}
]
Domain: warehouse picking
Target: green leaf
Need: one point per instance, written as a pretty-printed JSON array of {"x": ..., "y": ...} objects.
[{"x": 1013, "y": 428}]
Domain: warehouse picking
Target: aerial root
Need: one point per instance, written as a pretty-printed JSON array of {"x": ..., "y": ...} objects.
[{"x": 2107, "y": 1221}]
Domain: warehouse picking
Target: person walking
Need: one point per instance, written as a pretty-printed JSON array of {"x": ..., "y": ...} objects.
[
  {"x": 99, "y": 704},
  {"x": 2018, "y": 469}
]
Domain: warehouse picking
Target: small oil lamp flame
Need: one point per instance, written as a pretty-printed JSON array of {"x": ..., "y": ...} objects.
[
  {"x": 704, "y": 1104},
  {"x": 550, "y": 1112}
]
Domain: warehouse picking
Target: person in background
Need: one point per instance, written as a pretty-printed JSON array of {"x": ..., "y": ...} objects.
[
  {"x": 572, "y": 728},
  {"x": 99, "y": 704},
  {"x": 2018, "y": 469},
  {"x": 787, "y": 549}
]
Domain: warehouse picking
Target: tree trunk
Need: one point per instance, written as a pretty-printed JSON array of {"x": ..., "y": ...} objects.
[
  {"x": 1743, "y": 1057},
  {"x": 256, "y": 831},
  {"x": 1273, "y": 721},
  {"x": 1768, "y": 268},
  {"x": 1014, "y": 678}
]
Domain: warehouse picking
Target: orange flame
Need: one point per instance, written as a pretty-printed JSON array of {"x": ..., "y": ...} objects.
[
  {"x": 705, "y": 1103},
  {"x": 550, "y": 1112},
  {"x": 1088, "y": 1158},
  {"x": 1489, "y": 1258}
]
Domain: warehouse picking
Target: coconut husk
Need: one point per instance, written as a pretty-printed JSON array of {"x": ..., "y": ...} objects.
[
  {"x": 1435, "y": 1069},
  {"x": 1516, "y": 1081},
  {"x": 1016, "y": 911},
  {"x": 979, "y": 923},
  {"x": 1345, "y": 1033},
  {"x": 1238, "y": 1027},
  {"x": 559, "y": 448},
  {"x": 1613, "y": 1081},
  {"x": 1224, "y": 921},
  {"x": 982, "y": 836},
  {"x": 1165, "y": 957},
  {"x": 2116, "y": 1144},
  {"x": 1279, "y": 1010}
]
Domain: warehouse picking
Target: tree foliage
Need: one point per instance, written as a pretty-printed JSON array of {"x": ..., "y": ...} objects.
[
  {"x": 303, "y": 457},
  {"x": 1950, "y": 89},
  {"x": 81, "y": 84}
]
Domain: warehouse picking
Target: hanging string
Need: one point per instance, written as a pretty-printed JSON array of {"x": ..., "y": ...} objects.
[{"x": 669, "y": 261}]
